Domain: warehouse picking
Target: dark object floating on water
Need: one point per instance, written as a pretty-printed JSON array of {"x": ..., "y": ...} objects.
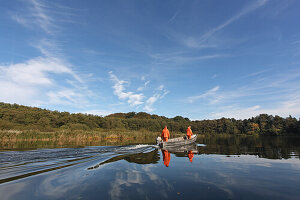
[{"x": 175, "y": 142}]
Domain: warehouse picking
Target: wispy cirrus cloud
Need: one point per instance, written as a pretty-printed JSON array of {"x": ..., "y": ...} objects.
[
  {"x": 251, "y": 7},
  {"x": 210, "y": 94},
  {"x": 180, "y": 58},
  {"x": 172, "y": 19},
  {"x": 43, "y": 16},
  {"x": 296, "y": 42},
  {"x": 160, "y": 93},
  {"x": 201, "y": 42},
  {"x": 207, "y": 40},
  {"x": 144, "y": 86},
  {"x": 48, "y": 48},
  {"x": 193, "y": 42},
  {"x": 214, "y": 76},
  {"x": 275, "y": 94},
  {"x": 68, "y": 96},
  {"x": 36, "y": 15},
  {"x": 258, "y": 72}
]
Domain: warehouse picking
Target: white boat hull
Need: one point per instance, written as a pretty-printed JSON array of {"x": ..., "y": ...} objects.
[{"x": 180, "y": 141}]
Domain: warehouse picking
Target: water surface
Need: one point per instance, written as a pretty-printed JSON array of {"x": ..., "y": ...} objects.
[{"x": 214, "y": 168}]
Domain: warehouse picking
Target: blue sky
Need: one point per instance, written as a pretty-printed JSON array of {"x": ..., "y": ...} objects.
[{"x": 198, "y": 59}]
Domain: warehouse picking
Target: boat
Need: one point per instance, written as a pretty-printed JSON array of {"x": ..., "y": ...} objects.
[
  {"x": 175, "y": 142},
  {"x": 184, "y": 149}
]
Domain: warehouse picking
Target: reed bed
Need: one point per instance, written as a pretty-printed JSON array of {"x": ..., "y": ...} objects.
[{"x": 79, "y": 135}]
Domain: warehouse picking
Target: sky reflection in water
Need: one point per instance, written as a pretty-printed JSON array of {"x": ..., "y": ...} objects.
[{"x": 144, "y": 172}]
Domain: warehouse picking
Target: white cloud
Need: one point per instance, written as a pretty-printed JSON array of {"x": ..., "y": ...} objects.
[
  {"x": 214, "y": 76},
  {"x": 283, "y": 109},
  {"x": 212, "y": 94},
  {"x": 98, "y": 112},
  {"x": 119, "y": 89},
  {"x": 136, "y": 99},
  {"x": 161, "y": 87},
  {"x": 150, "y": 102},
  {"x": 144, "y": 86},
  {"x": 238, "y": 113},
  {"x": 269, "y": 93},
  {"x": 14, "y": 93},
  {"x": 36, "y": 71},
  {"x": 160, "y": 93},
  {"x": 32, "y": 83}
]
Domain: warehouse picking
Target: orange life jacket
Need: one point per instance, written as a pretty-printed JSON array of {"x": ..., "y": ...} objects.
[
  {"x": 165, "y": 133},
  {"x": 189, "y": 132}
]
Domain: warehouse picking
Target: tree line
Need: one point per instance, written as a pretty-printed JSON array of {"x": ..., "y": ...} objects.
[{"x": 18, "y": 117}]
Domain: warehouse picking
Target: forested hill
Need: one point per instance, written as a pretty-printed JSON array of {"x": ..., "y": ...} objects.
[{"x": 18, "y": 117}]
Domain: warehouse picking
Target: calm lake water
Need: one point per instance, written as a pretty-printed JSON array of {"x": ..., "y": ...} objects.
[{"x": 214, "y": 168}]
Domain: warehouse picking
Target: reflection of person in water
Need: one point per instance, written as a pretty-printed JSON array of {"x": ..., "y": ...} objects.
[
  {"x": 191, "y": 156},
  {"x": 166, "y": 157}
]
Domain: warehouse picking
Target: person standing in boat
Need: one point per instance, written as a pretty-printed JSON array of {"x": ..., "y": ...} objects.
[
  {"x": 189, "y": 132},
  {"x": 165, "y": 135}
]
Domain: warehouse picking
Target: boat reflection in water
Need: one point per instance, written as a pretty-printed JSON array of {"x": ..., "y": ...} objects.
[{"x": 180, "y": 151}]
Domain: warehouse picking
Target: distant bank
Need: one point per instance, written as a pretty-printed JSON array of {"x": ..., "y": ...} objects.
[{"x": 24, "y": 122}]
